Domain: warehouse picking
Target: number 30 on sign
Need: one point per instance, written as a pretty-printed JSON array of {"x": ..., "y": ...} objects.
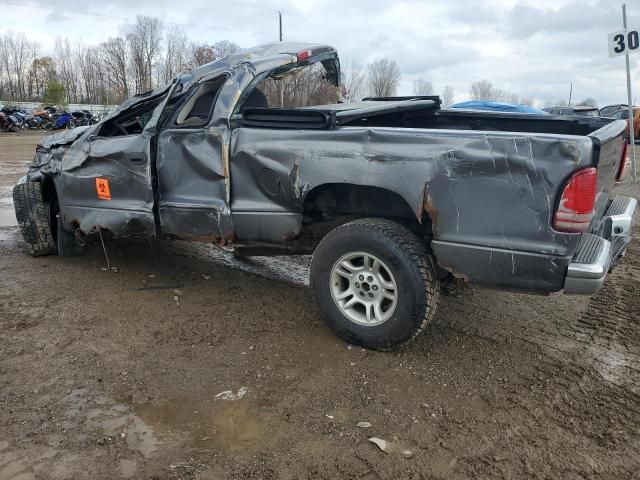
[{"x": 623, "y": 42}]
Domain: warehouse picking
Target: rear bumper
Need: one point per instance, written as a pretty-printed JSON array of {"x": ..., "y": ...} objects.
[{"x": 599, "y": 252}]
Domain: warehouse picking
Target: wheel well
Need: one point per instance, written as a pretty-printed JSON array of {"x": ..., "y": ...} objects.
[
  {"x": 50, "y": 196},
  {"x": 327, "y": 206},
  {"x": 340, "y": 198},
  {"x": 48, "y": 189}
]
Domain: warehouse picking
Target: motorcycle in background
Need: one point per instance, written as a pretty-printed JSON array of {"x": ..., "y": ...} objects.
[
  {"x": 83, "y": 118},
  {"x": 63, "y": 120},
  {"x": 12, "y": 119},
  {"x": 5, "y": 124}
]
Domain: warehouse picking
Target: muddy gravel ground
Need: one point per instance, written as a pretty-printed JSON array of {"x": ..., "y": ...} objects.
[{"x": 118, "y": 373}]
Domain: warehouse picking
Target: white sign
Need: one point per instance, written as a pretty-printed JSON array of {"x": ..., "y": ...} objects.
[{"x": 624, "y": 41}]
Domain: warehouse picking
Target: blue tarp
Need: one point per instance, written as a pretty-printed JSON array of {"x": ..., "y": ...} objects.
[{"x": 497, "y": 107}]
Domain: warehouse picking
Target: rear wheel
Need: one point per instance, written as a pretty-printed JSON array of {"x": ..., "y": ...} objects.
[{"x": 374, "y": 283}]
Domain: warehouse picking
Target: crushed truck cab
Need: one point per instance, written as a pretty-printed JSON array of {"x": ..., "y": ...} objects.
[{"x": 390, "y": 195}]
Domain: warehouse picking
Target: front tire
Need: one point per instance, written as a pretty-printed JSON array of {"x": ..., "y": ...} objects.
[
  {"x": 34, "y": 218},
  {"x": 375, "y": 283}
]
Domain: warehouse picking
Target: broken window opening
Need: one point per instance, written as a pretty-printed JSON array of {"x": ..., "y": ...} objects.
[
  {"x": 198, "y": 108},
  {"x": 303, "y": 86}
]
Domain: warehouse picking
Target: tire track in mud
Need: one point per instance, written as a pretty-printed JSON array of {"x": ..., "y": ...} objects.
[
  {"x": 609, "y": 330},
  {"x": 603, "y": 332}
]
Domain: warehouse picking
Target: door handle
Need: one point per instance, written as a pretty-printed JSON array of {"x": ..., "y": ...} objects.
[{"x": 137, "y": 160}]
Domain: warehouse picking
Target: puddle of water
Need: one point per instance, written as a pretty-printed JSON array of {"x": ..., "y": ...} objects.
[
  {"x": 117, "y": 420},
  {"x": 233, "y": 426},
  {"x": 8, "y": 217},
  {"x": 237, "y": 428},
  {"x": 113, "y": 420}
]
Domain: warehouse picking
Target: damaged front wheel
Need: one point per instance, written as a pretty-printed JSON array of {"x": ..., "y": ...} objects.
[
  {"x": 34, "y": 218},
  {"x": 40, "y": 223}
]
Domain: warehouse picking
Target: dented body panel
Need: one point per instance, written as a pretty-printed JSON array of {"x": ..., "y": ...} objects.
[{"x": 483, "y": 198}]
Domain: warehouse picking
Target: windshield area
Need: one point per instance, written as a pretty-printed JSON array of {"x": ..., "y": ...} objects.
[{"x": 130, "y": 122}]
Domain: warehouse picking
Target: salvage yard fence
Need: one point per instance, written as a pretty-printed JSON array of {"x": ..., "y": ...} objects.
[{"x": 30, "y": 106}]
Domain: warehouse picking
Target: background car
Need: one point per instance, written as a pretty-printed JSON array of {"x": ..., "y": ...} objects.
[
  {"x": 621, "y": 112},
  {"x": 582, "y": 110},
  {"x": 609, "y": 110}
]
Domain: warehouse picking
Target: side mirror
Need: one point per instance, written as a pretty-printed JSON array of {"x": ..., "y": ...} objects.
[{"x": 92, "y": 137}]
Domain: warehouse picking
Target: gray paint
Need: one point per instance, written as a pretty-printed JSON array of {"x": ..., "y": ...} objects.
[{"x": 490, "y": 196}]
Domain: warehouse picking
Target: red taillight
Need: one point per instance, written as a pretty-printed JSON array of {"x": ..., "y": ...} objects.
[
  {"x": 575, "y": 210},
  {"x": 625, "y": 163},
  {"x": 304, "y": 55}
]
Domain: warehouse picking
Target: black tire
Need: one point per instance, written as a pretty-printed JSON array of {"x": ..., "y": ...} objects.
[
  {"x": 34, "y": 218},
  {"x": 405, "y": 256}
]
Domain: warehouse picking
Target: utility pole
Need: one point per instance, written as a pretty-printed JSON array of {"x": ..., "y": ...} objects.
[
  {"x": 281, "y": 80},
  {"x": 630, "y": 98},
  {"x": 570, "y": 93}
]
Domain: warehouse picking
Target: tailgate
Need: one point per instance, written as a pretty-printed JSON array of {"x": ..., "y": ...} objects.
[{"x": 608, "y": 151}]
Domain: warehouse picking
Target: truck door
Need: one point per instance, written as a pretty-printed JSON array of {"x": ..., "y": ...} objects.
[
  {"x": 106, "y": 177},
  {"x": 192, "y": 168}
]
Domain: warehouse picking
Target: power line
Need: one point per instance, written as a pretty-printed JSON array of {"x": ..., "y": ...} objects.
[{"x": 120, "y": 17}]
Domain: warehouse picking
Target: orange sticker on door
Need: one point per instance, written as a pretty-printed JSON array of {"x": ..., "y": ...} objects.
[{"x": 102, "y": 188}]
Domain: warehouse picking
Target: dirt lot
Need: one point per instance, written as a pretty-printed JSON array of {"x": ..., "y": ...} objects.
[{"x": 114, "y": 374}]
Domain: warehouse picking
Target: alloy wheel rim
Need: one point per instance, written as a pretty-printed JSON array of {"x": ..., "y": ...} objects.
[{"x": 363, "y": 288}]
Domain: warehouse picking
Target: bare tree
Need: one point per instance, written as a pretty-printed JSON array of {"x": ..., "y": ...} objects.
[
  {"x": 115, "y": 60},
  {"x": 175, "y": 59},
  {"x": 422, "y": 87},
  {"x": 91, "y": 68},
  {"x": 200, "y": 55},
  {"x": 43, "y": 71},
  {"x": 353, "y": 81},
  {"x": 223, "y": 48},
  {"x": 447, "y": 95},
  {"x": 108, "y": 72},
  {"x": 307, "y": 87},
  {"x": 145, "y": 42},
  {"x": 66, "y": 68},
  {"x": 383, "y": 78},
  {"x": 17, "y": 75},
  {"x": 482, "y": 90}
]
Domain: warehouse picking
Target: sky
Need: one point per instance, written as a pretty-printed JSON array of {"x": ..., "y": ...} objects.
[{"x": 533, "y": 48}]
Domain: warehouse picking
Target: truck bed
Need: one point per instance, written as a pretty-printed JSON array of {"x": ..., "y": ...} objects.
[
  {"x": 486, "y": 184},
  {"x": 416, "y": 113}
]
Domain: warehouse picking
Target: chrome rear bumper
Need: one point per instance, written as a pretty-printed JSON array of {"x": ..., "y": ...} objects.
[{"x": 597, "y": 254}]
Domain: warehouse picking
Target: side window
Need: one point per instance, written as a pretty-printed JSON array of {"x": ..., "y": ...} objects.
[{"x": 197, "y": 110}]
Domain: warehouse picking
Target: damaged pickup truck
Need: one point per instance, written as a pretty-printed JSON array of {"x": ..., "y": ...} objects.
[{"x": 390, "y": 195}]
